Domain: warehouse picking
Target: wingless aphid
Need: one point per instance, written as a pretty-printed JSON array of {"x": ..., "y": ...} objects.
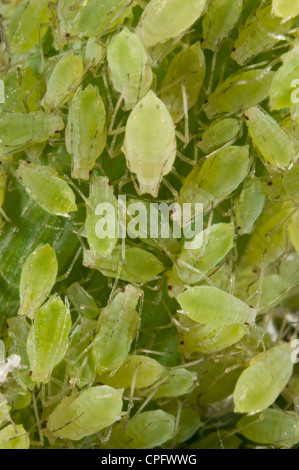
[
  {"x": 149, "y": 429},
  {"x": 150, "y": 143},
  {"x": 285, "y": 8}
]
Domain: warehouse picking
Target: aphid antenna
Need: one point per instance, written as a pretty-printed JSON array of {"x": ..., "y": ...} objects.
[{"x": 38, "y": 422}]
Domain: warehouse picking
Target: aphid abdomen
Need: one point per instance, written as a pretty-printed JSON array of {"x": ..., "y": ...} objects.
[
  {"x": 265, "y": 378},
  {"x": 270, "y": 139},
  {"x": 149, "y": 429},
  {"x": 37, "y": 279},
  {"x": 150, "y": 144},
  {"x": 166, "y": 19},
  {"x": 84, "y": 134},
  {"x": 63, "y": 81},
  {"x": 48, "y": 338},
  {"x": 87, "y": 413},
  {"x": 129, "y": 67},
  {"x": 218, "y": 22}
]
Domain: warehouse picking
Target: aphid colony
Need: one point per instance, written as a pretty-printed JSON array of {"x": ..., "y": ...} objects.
[{"x": 141, "y": 342}]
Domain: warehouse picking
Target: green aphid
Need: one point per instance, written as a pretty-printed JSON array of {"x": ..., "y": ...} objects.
[
  {"x": 94, "y": 54},
  {"x": 129, "y": 67},
  {"x": 264, "y": 379},
  {"x": 102, "y": 16},
  {"x": 68, "y": 16},
  {"x": 83, "y": 302},
  {"x": 260, "y": 33},
  {"x": 47, "y": 188},
  {"x": 37, "y": 279},
  {"x": 212, "y": 306},
  {"x": 219, "y": 133},
  {"x": 249, "y": 205},
  {"x": 219, "y": 20},
  {"x": 285, "y": 8},
  {"x": 21, "y": 90},
  {"x": 149, "y": 429},
  {"x": 85, "y": 133},
  {"x": 48, "y": 338},
  {"x": 63, "y": 82},
  {"x": 137, "y": 370},
  {"x": 138, "y": 266},
  {"x": 173, "y": 383},
  {"x": 269, "y": 292},
  {"x": 117, "y": 327},
  {"x": 101, "y": 224},
  {"x": 21, "y": 130},
  {"x": 28, "y": 25},
  {"x": 185, "y": 75},
  {"x": 192, "y": 265},
  {"x": 14, "y": 437},
  {"x": 189, "y": 421},
  {"x": 283, "y": 88},
  {"x": 290, "y": 181},
  {"x": 239, "y": 91},
  {"x": 17, "y": 396},
  {"x": 216, "y": 178},
  {"x": 272, "y": 142},
  {"x": 272, "y": 426},
  {"x": 86, "y": 413}
]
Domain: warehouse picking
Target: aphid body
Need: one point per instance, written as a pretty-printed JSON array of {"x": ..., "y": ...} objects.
[{"x": 149, "y": 429}]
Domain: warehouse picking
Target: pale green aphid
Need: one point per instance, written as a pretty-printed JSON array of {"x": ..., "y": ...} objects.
[
  {"x": 285, "y": 8},
  {"x": 129, "y": 67},
  {"x": 81, "y": 368},
  {"x": 173, "y": 383},
  {"x": 193, "y": 264},
  {"x": 117, "y": 327},
  {"x": 259, "y": 34},
  {"x": 271, "y": 427},
  {"x": 219, "y": 20},
  {"x": 282, "y": 89},
  {"x": 63, "y": 81},
  {"x": 94, "y": 54},
  {"x": 137, "y": 370},
  {"x": 149, "y": 429},
  {"x": 102, "y": 16},
  {"x": 290, "y": 181},
  {"x": 239, "y": 91},
  {"x": 138, "y": 266},
  {"x": 17, "y": 396},
  {"x": 166, "y": 19},
  {"x": 272, "y": 142},
  {"x": 87, "y": 413},
  {"x": 20, "y": 90},
  {"x": 214, "y": 180},
  {"x": 48, "y": 338},
  {"x": 37, "y": 279},
  {"x": 188, "y": 424},
  {"x": 187, "y": 70},
  {"x": 249, "y": 205},
  {"x": 47, "y": 188},
  {"x": 268, "y": 293},
  {"x": 68, "y": 15},
  {"x": 219, "y": 133},
  {"x": 100, "y": 240},
  {"x": 14, "y": 437},
  {"x": 209, "y": 339},
  {"x": 150, "y": 143},
  {"x": 82, "y": 301},
  {"x": 212, "y": 306},
  {"x": 25, "y": 30},
  {"x": 20, "y": 130},
  {"x": 85, "y": 133},
  {"x": 261, "y": 383}
]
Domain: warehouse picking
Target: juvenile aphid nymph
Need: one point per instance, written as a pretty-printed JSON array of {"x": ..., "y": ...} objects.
[{"x": 150, "y": 143}]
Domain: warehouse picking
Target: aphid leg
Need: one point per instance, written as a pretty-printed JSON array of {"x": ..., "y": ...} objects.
[
  {"x": 66, "y": 274},
  {"x": 212, "y": 73},
  {"x": 41, "y": 443},
  {"x": 112, "y": 131}
]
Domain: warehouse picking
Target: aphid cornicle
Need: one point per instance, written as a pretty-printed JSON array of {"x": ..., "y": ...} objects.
[
  {"x": 129, "y": 67},
  {"x": 24, "y": 29},
  {"x": 187, "y": 69},
  {"x": 149, "y": 429},
  {"x": 86, "y": 413},
  {"x": 48, "y": 338},
  {"x": 150, "y": 143},
  {"x": 20, "y": 130},
  {"x": 47, "y": 188},
  {"x": 166, "y": 19},
  {"x": 85, "y": 133},
  {"x": 37, "y": 279},
  {"x": 117, "y": 326},
  {"x": 219, "y": 20},
  {"x": 260, "y": 384},
  {"x": 213, "y": 306},
  {"x": 101, "y": 192},
  {"x": 269, "y": 138},
  {"x": 64, "y": 80}
]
